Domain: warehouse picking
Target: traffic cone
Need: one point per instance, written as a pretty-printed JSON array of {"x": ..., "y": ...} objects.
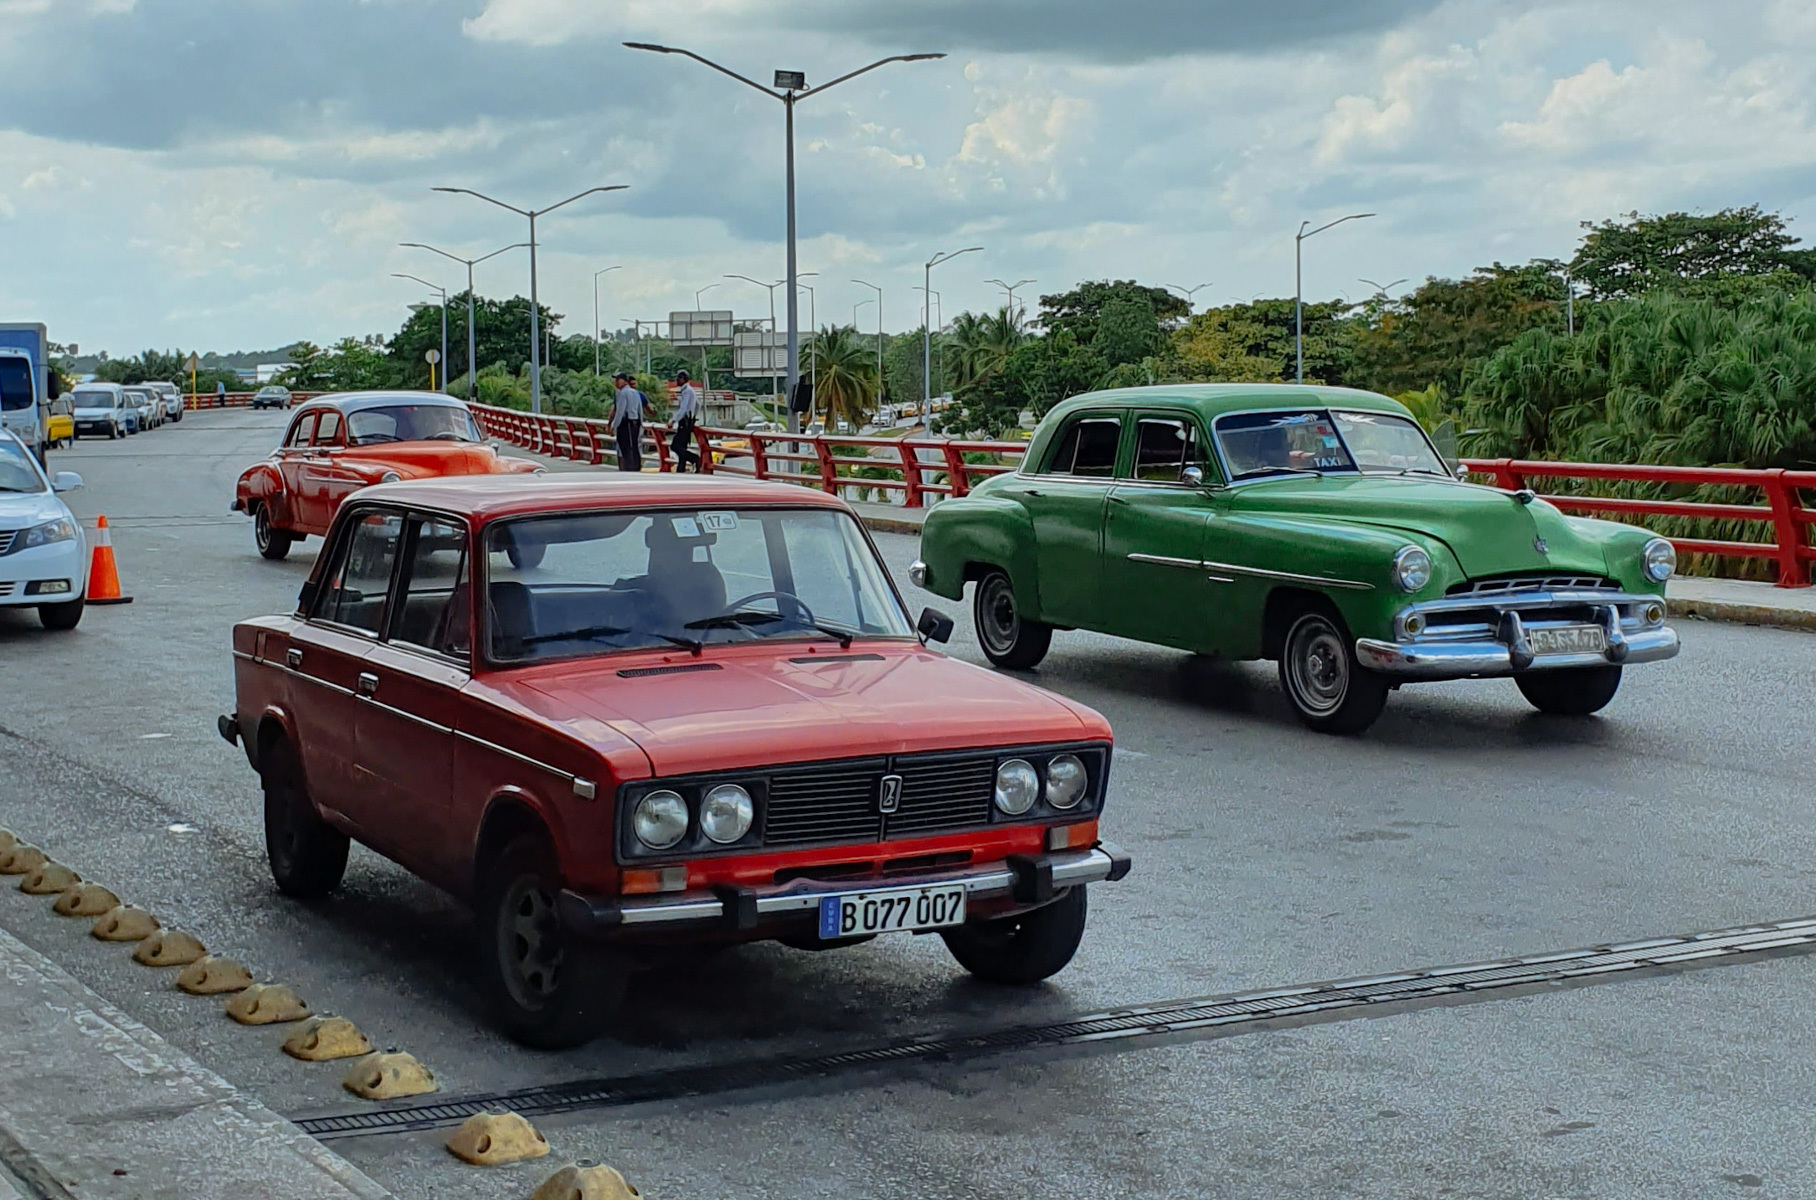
[{"x": 103, "y": 575}]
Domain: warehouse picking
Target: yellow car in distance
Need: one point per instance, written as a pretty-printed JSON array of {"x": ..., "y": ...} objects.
[{"x": 60, "y": 430}]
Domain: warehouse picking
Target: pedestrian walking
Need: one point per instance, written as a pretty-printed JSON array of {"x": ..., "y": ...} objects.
[
  {"x": 687, "y": 415},
  {"x": 627, "y": 423},
  {"x": 220, "y": 392}
]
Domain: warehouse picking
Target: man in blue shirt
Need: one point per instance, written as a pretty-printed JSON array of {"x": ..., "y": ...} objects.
[
  {"x": 687, "y": 415},
  {"x": 627, "y": 423}
]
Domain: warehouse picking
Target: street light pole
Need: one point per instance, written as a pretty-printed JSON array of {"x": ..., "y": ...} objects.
[
  {"x": 597, "y": 332},
  {"x": 927, "y": 321},
  {"x": 1299, "y": 289},
  {"x": 1010, "y": 288},
  {"x": 472, "y": 341},
  {"x": 1188, "y": 293},
  {"x": 789, "y": 86},
  {"x": 879, "y": 335},
  {"x": 535, "y": 302},
  {"x": 769, "y": 356},
  {"x": 813, "y": 346},
  {"x": 444, "y": 325}
]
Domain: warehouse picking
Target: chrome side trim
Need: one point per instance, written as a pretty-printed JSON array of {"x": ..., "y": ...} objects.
[
  {"x": 1161, "y": 560},
  {"x": 408, "y": 716},
  {"x": 525, "y": 759},
  {"x": 308, "y": 678},
  {"x": 1288, "y": 576}
]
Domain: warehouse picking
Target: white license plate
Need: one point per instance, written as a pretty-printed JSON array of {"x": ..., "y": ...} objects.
[
  {"x": 857, "y": 914},
  {"x": 1569, "y": 639}
]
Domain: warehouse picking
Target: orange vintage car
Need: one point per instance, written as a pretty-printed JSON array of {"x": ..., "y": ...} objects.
[{"x": 339, "y": 443}]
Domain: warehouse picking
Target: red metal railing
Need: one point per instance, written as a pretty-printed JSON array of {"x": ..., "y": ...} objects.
[
  {"x": 920, "y": 468},
  {"x": 235, "y": 399}
]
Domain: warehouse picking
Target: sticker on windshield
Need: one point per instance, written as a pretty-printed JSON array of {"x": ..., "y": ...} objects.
[
  {"x": 685, "y": 527},
  {"x": 719, "y": 522}
]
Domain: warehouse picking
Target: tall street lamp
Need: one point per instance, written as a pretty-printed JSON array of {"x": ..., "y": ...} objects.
[
  {"x": 1010, "y": 288},
  {"x": 1299, "y": 289},
  {"x": 789, "y": 87},
  {"x": 535, "y": 302},
  {"x": 926, "y": 321},
  {"x": 597, "y": 332},
  {"x": 813, "y": 322},
  {"x": 769, "y": 353},
  {"x": 472, "y": 343},
  {"x": 1188, "y": 293},
  {"x": 879, "y": 334},
  {"x": 444, "y": 323}
]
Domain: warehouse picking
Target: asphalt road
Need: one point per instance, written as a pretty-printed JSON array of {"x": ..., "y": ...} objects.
[{"x": 1463, "y": 827}]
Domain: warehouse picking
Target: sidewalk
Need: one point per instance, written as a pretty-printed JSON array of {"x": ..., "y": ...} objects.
[{"x": 94, "y": 1106}]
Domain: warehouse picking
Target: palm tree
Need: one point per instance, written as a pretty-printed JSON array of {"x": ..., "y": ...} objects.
[
  {"x": 982, "y": 344},
  {"x": 848, "y": 380}
]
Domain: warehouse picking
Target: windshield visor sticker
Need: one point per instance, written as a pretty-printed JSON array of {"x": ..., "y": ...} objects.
[
  {"x": 717, "y": 522},
  {"x": 685, "y": 527}
]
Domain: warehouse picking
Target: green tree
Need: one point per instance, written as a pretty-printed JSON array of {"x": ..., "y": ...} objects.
[
  {"x": 1080, "y": 311},
  {"x": 1726, "y": 256},
  {"x": 1442, "y": 329},
  {"x": 1253, "y": 343},
  {"x": 847, "y": 385}
]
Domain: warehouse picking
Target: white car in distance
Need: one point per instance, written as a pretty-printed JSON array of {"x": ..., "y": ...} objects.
[{"x": 43, "y": 551}]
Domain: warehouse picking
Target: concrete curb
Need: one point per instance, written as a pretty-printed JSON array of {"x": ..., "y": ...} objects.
[{"x": 1742, "y": 614}]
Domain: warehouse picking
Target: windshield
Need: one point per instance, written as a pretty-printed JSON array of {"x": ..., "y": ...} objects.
[
  {"x": 138, "y": 398},
  {"x": 84, "y": 399},
  {"x": 593, "y": 583},
  {"x": 274, "y": 391},
  {"x": 1380, "y": 442},
  {"x": 1279, "y": 442},
  {"x": 15, "y": 383},
  {"x": 17, "y": 471},
  {"x": 411, "y": 423}
]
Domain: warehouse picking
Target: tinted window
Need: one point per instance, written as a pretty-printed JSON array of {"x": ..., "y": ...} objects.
[
  {"x": 1164, "y": 448},
  {"x": 15, "y": 383},
  {"x": 433, "y": 603},
  {"x": 353, "y": 592},
  {"x": 327, "y": 433},
  {"x": 1270, "y": 443},
  {"x": 299, "y": 432},
  {"x": 1087, "y": 448}
]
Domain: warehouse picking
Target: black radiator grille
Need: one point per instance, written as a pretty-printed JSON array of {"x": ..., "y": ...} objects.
[
  {"x": 944, "y": 795},
  {"x": 841, "y": 803}
]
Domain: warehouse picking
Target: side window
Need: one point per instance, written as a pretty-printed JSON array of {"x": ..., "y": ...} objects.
[
  {"x": 299, "y": 432},
  {"x": 328, "y": 432},
  {"x": 434, "y": 607},
  {"x": 353, "y": 592},
  {"x": 1164, "y": 447},
  {"x": 1088, "y": 448}
]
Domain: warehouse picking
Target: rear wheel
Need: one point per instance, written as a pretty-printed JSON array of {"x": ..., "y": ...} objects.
[
  {"x": 1025, "y": 948},
  {"x": 548, "y": 988},
  {"x": 1328, "y": 688},
  {"x": 62, "y": 616},
  {"x": 308, "y": 856},
  {"x": 1571, "y": 691},
  {"x": 1008, "y": 639},
  {"x": 273, "y": 543}
]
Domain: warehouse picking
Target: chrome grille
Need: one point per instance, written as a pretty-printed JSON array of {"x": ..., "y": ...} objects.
[
  {"x": 1514, "y": 585},
  {"x": 6, "y": 539},
  {"x": 840, "y": 803},
  {"x": 6, "y": 589}
]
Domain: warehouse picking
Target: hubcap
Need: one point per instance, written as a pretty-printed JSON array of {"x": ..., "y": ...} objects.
[
  {"x": 1317, "y": 667},
  {"x": 997, "y": 620},
  {"x": 261, "y": 529},
  {"x": 530, "y": 944}
]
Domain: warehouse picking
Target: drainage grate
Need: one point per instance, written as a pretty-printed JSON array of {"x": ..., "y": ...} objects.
[{"x": 1226, "y": 1015}]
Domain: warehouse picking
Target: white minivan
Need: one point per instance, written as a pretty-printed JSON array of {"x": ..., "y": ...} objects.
[
  {"x": 100, "y": 409},
  {"x": 43, "y": 551}
]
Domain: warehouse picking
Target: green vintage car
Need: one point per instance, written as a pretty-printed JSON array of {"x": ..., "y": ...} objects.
[{"x": 1316, "y": 526}]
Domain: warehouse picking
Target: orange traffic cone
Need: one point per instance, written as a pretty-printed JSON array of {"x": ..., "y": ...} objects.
[{"x": 103, "y": 575}]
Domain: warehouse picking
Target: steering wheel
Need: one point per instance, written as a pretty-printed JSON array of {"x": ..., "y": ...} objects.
[{"x": 802, "y": 612}]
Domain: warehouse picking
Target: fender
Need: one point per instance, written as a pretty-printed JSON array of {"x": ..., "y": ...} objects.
[
  {"x": 530, "y": 804},
  {"x": 274, "y": 722},
  {"x": 960, "y": 534},
  {"x": 263, "y": 483}
]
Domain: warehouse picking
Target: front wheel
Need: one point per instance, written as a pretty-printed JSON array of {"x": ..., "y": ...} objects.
[
  {"x": 1328, "y": 688},
  {"x": 66, "y": 615},
  {"x": 273, "y": 543},
  {"x": 1008, "y": 639},
  {"x": 1570, "y": 691},
  {"x": 308, "y": 856},
  {"x": 548, "y": 988},
  {"x": 1025, "y": 948}
]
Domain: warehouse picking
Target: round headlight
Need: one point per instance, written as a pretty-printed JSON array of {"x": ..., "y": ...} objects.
[
  {"x": 1067, "y": 780},
  {"x": 389, "y": 477},
  {"x": 660, "y": 819},
  {"x": 1659, "y": 559},
  {"x": 1412, "y": 569},
  {"x": 726, "y": 813},
  {"x": 1017, "y": 786}
]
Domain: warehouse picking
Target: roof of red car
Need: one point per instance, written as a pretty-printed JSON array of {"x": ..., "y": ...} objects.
[{"x": 489, "y": 496}]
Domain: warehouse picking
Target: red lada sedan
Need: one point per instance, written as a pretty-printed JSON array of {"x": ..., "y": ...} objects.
[{"x": 621, "y": 714}]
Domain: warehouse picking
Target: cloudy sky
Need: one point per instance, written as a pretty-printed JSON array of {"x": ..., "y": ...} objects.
[{"x": 238, "y": 173}]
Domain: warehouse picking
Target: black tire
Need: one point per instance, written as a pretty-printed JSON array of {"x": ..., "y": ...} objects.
[
  {"x": 307, "y": 855},
  {"x": 273, "y": 543},
  {"x": 1022, "y": 949},
  {"x": 113, "y": 431},
  {"x": 548, "y": 988},
  {"x": 1570, "y": 691},
  {"x": 1007, "y": 638},
  {"x": 66, "y": 615},
  {"x": 1329, "y": 689}
]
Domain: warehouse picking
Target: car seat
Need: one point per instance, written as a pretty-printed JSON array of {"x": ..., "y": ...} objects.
[
  {"x": 511, "y": 613},
  {"x": 683, "y": 584}
]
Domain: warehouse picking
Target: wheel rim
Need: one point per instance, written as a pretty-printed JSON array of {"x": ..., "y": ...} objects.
[
  {"x": 997, "y": 621},
  {"x": 529, "y": 944},
  {"x": 261, "y": 529},
  {"x": 1317, "y": 666}
]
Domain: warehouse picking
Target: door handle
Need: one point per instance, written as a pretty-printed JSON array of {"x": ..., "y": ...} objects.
[
  {"x": 368, "y": 683},
  {"x": 1115, "y": 499},
  {"x": 1031, "y": 491},
  {"x": 293, "y": 657}
]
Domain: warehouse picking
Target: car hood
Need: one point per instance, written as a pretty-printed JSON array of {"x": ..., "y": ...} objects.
[
  {"x": 1488, "y": 530},
  {"x": 22, "y": 511},
  {"x": 794, "y": 702},
  {"x": 429, "y": 458}
]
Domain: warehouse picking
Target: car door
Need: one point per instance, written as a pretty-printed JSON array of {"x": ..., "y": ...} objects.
[
  {"x": 290, "y": 458},
  {"x": 327, "y": 653},
  {"x": 1065, "y": 502},
  {"x": 1154, "y": 535},
  {"x": 321, "y": 473},
  {"x": 410, "y": 694}
]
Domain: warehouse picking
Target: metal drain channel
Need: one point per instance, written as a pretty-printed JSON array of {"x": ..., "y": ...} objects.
[{"x": 1226, "y": 1014}]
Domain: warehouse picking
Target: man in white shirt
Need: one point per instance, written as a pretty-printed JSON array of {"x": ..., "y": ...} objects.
[
  {"x": 627, "y": 423},
  {"x": 687, "y": 415}
]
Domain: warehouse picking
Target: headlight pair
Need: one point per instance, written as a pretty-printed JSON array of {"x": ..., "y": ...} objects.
[
  {"x": 661, "y": 818},
  {"x": 60, "y": 530},
  {"x": 1018, "y": 784}
]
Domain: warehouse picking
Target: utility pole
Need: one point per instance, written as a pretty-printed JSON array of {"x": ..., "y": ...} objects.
[
  {"x": 1299, "y": 289},
  {"x": 443, "y": 292},
  {"x": 472, "y": 340},
  {"x": 1010, "y": 288},
  {"x": 597, "y": 332},
  {"x": 927, "y": 322},
  {"x": 879, "y": 334}
]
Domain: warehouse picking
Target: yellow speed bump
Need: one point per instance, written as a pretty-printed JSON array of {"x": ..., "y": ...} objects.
[
  {"x": 586, "y": 1181},
  {"x": 85, "y": 900},
  {"x": 211, "y": 976},
  {"x": 323, "y": 1038},
  {"x": 125, "y": 923},
  {"x": 493, "y": 1139},
  {"x": 169, "y": 948},
  {"x": 267, "y": 1004},
  {"x": 49, "y": 879},
  {"x": 21, "y": 859},
  {"x": 389, "y": 1075}
]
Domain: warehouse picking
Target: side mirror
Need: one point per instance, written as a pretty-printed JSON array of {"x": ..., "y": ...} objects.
[
  {"x": 53, "y": 384},
  {"x": 65, "y": 481},
  {"x": 305, "y": 598},
  {"x": 1192, "y": 477},
  {"x": 1462, "y": 472},
  {"x": 934, "y": 626}
]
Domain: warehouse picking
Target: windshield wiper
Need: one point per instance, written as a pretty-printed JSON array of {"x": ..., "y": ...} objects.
[
  {"x": 589, "y": 632},
  {"x": 738, "y": 620},
  {"x": 1254, "y": 471}
]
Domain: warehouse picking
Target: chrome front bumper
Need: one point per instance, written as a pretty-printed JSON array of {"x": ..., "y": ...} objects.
[
  {"x": 1466, "y": 636},
  {"x": 1029, "y": 880}
]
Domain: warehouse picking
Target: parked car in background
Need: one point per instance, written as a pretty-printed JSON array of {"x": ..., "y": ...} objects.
[
  {"x": 43, "y": 552},
  {"x": 172, "y": 397},
  {"x": 272, "y": 395},
  {"x": 627, "y": 715},
  {"x": 148, "y": 403},
  {"x": 60, "y": 425},
  {"x": 101, "y": 409},
  {"x": 1314, "y": 526},
  {"x": 337, "y": 444}
]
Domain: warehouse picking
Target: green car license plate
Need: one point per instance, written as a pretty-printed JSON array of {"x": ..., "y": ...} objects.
[
  {"x": 1568, "y": 639},
  {"x": 858, "y": 914}
]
